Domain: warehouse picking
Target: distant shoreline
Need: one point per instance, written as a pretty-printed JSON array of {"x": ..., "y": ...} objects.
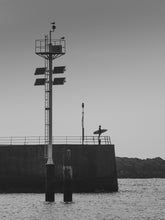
[{"x": 140, "y": 168}]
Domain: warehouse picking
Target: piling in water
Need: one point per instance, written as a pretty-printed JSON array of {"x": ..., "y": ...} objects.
[
  {"x": 67, "y": 177},
  {"x": 49, "y": 191}
]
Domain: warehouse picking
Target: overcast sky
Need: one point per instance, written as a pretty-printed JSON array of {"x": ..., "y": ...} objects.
[{"x": 115, "y": 64}]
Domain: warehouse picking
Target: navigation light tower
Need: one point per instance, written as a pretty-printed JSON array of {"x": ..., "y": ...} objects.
[{"x": 50, "y": 50}]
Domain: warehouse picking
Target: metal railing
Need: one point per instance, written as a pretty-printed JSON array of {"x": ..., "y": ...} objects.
[
  {"x": 42, "y": 46},
  {"x": 37, "y": 140}
]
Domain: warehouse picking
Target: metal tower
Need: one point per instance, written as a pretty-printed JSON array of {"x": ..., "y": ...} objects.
[{"x": 49, "y": 49}]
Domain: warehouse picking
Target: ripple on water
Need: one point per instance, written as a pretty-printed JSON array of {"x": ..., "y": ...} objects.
[{"x": 136, "y": 199}]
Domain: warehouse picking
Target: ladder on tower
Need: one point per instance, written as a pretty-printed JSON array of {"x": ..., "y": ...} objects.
[{"x": 46, "y": 102}]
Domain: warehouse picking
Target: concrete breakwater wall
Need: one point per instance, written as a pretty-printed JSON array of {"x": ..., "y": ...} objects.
[{"x": 22, "y": 168}]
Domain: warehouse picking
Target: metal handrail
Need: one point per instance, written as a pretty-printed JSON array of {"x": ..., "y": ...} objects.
[{"x": 40, "y": 140}]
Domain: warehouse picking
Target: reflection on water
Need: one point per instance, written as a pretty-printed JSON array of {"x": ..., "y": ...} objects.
[{"x": 136, "y": 199}]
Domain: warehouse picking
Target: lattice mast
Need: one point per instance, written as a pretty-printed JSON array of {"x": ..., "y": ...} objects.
[
  {"x": 50, "y": 50},
  {"x": 46, "y": 134}
]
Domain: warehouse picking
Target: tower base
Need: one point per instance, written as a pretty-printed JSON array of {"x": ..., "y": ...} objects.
[{"x": 49, "y": 186}]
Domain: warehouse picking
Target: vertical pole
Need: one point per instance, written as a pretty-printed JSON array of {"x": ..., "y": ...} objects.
[
  {"x": 99, "y": 140},
  {"x": 82, "y": 123},
  {"x": 50, "y": 165},
  {"x": 50, "y": 160}
]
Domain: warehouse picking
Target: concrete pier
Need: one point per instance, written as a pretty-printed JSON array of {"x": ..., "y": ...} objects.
[{"x": 22, "y": 168}]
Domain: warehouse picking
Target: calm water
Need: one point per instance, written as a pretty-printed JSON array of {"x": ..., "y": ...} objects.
[{"x": 136, "y": 199}]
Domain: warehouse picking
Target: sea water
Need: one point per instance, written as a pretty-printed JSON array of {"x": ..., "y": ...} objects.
[{"x": 136, "y": 199}]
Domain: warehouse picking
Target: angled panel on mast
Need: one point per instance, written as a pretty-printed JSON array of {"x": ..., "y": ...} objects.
[
  {"x": 59, "y": 69},
  {"x": 40, "y": 71},
  {"x": 40, "y": 82},
  {"x": 59, "y": 81}
]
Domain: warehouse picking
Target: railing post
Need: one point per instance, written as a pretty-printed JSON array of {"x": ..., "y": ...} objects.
[
  {"x": 110, "y": 139},
  {"x": 107, "y": 140},
  {"x": 93, "y": 139}
]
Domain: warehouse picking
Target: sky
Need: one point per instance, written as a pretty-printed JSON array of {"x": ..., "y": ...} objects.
[{"x": 114, "y": 64}]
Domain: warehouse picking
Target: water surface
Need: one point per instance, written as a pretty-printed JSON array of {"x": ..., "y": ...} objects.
[{"x": 136, "y": 199}]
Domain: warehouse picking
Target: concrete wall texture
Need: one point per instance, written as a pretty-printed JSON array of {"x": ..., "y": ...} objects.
[{"x": 22, "y": 168}]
